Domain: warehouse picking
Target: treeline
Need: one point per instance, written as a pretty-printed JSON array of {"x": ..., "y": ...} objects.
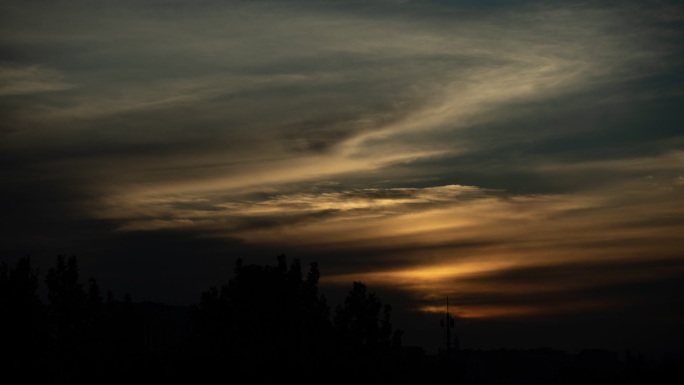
[
  {"x": 73, "y": 337},
  {"x": 266, "y": 323}
]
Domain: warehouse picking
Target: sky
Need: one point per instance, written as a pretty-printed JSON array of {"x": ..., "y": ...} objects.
[{"x": 523, "y": 159}]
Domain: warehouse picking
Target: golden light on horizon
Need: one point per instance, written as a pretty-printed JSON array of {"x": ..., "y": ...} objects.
[
  {"x": 426, "y": 276},
  {"x": 514, "y": 311}
]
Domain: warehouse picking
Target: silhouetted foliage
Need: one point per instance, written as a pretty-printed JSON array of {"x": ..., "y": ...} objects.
[
  {"x": 265, "y": 324},
  {"x": 22, "y": 317},
  {"x": 367, "y": 333},
  {"x": 264, "y": 317},
  {"x": 358, "y": 319},
  {"x": 268, "y": 322},
  {"x": 74, "y": 337}
]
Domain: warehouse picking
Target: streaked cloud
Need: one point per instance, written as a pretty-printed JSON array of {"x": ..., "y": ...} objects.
[
  {"x": 30, "y": 80},
  {"x": 523, "y": 158}
]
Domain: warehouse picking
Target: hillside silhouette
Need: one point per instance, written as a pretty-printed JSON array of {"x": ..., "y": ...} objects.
[{"x": 266, "y": 324}]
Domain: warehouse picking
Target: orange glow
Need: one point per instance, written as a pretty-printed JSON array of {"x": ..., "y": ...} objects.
[
  {"x": 508, "y": 311},
  {"x": 427, "y": 275},
  {"x": 485, "y": 312}
]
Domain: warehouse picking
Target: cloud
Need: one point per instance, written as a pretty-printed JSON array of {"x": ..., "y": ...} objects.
[
  {"x": 331, "y": 93},
  {"x": 566, "y": 243},
  {"x": 15, "y": 80},
  {"x": 229, "y": 211}
]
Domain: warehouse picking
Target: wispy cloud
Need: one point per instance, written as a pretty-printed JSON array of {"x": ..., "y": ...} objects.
[
  {"x": 458, "y": 245},
  {"x": 16, "y": 80},
  {"x": 433, "y": 147}
]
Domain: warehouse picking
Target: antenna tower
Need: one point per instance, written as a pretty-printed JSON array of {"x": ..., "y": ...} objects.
[{"x": 448, "y": 324}]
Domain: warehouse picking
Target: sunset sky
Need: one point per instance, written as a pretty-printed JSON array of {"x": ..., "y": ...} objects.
[{"x": 524, "y": 159}]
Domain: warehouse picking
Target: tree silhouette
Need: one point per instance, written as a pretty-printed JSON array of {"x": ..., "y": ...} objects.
[
  {"x": 267, "y": 322},
  {"x": 85, "y": 337},
  {"x": 70, "y": 324},
  {"x": 22, "y": 320},
  {"x": 66, "y": 298},
  {"x": 359, "y": 322},
  {"x": 364, "y": 325}
]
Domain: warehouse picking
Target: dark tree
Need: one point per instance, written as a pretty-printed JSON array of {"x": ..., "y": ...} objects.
[
  {"x": 359, "y": 320},
  {"x": 267, "y": 322},
  {"x": 22, "y": 319},
  {"x": 66, "y": 298},
  {"x": 364, "y": 325},
  {"x": 88, "y": 337}
]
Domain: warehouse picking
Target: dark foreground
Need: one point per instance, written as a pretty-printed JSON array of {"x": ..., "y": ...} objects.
[{"x": 267, "y": 324}]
